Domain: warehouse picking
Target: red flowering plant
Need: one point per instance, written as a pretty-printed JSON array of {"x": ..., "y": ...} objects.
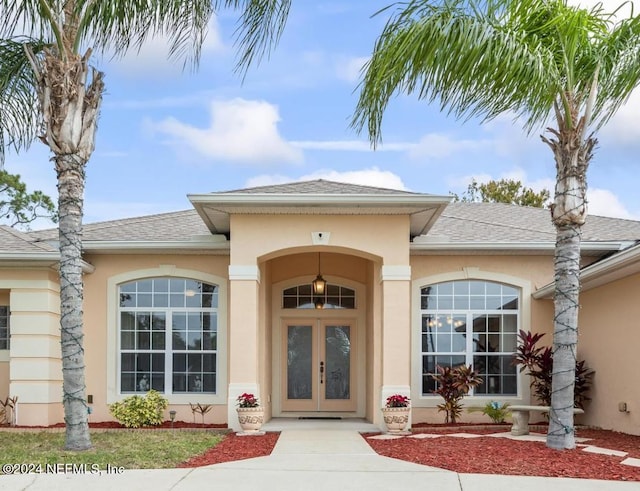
[
  {"x": 397, "y": 400},
  {"x": 247, "y": 400}
]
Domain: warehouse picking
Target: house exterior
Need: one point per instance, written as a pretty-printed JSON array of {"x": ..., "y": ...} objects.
[{"x": 208, "y": 303}]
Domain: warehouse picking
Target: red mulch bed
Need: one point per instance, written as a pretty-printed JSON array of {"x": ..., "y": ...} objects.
[
  {"x": 235, "y": 447},
  {"x": 509, "y": 457}
]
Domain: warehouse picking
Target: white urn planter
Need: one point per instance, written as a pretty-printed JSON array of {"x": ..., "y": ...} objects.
[
  {"x": 396, "y": 419},
  {"x": 251, "y": 420}
]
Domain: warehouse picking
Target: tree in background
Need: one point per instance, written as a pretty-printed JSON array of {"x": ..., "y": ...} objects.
[
  {"x": 547, "y": 63},
  {"x": 504, "y": 191},
  {"x": 19, "y": 207},
  {"x": 49, "y": 90}
]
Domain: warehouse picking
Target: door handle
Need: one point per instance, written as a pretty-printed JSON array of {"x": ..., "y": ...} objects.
[{"x": 321, "y": 370}]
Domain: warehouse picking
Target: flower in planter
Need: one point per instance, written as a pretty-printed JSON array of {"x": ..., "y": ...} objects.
[
  {"x": 247, "y": 400},
  {"x": 397, "y": 400}
]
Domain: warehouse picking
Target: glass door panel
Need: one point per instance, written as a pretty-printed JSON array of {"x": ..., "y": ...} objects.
[
  {"x": 337, "y": 351},
  {"x": 299, "y": 358}
]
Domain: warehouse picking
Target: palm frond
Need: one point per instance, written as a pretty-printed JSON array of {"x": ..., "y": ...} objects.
[
  {"x": 19, "y": 113},
  {"x": 483, "y": 58},
  {"x": 619, "y": 55},
  {"x": 470, "y": 58},
  {"x": 259, "y": 29},
  {"x": 119, "y": 25}
]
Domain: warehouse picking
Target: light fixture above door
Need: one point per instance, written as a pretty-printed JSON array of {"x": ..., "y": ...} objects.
[{"x": 319, "y": 284}]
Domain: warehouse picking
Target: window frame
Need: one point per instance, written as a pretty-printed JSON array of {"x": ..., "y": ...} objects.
[
  {"x": 7, "y": 338},
  {"x": 166, "y": 313},
  {"x": 114, "y": 392},
  {"x": 471, "y": 274}
]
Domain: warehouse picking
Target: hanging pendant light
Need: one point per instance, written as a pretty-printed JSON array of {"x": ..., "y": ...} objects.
[{"x": 319, "y": 283}]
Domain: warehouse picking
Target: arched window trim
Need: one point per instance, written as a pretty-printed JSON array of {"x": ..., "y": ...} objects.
[
  {"x": 169, "y": 271},
  {"x": 467, "y": 273}
]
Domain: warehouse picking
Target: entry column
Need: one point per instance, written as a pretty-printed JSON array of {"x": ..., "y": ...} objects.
[
  {"x": 396, "y": 333},
  {"x": 244, "y": 284}
]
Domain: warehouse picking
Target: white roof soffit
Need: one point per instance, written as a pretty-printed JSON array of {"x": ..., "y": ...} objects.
[
  {"x": 215, "y": 209},
  {"x": 620, "y": 265},
  {"x": 195, "y": 245},
  {"x": 36, "y": 259},
  {"x": 439, "y": 246}
]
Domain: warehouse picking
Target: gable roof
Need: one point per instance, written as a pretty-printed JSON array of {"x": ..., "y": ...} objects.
[
  {"x": 320, "y": 186},
  {"x": 319, "y": 197}
]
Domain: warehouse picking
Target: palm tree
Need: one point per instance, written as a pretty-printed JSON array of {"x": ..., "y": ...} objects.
[
  {"x": 543, "y": 61},
  {"x": 48, "y": 89}
]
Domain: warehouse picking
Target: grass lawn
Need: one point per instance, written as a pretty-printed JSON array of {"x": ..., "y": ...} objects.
[{"x": 144, "y": 449}]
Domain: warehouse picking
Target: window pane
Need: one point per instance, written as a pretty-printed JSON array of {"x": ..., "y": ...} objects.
[
  {"x": 161, "y": 300},
  {"x": 127, "y": 321},
  {"x": 145, "y": 286},
  {"x": 179, "y": 363},
  {"x": 445, "y": 302},
  {"x": 127, "y": 340},
  {"x": 176, "y": 285},
  {"x": 510, "y": 323}
]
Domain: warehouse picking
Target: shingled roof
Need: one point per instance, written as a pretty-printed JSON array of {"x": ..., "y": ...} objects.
[
  {"x": 13, "y": 241},
  {"x": 320, "y": 186},
  {"x": 174, "y": 226},
  {"x": 499, "y": 222},
  {"x": 471, "y": 223}
]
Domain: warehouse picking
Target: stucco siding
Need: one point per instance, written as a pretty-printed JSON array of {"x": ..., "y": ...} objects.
[{"x": 609, "y": 341}]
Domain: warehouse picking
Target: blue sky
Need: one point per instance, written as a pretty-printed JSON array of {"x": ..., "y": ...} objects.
[{"x": 165, "y": 133}]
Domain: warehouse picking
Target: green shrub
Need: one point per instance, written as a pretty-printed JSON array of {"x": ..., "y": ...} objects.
[
  {"x": 494, "y": 410},
  {"x": 137, "y": 411}
]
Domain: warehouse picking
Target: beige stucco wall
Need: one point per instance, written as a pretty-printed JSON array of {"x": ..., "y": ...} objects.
[
  {"x": 609, "y": 340},
  {"x": 267, "y": 236},
  {"x": 100, "y": 354}
]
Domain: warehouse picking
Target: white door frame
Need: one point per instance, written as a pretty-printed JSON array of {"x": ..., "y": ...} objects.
[{"x": 356, "y": 316}]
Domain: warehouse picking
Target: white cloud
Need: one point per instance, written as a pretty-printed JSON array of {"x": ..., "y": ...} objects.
[
  {"x": 437, "y": 145},
  {"x": 240, "y": 131},
  {"x": 605, "y": 203},
  {"x": 352, "y": 146},
  {"x": 153, "y": 56},
  {"x": 365, "y": 177},
  {"x": 623, "y": 128},
  {"x": 349, "y": 68}
]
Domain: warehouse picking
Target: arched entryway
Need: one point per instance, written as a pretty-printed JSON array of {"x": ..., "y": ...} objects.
[{"x": 319, "y": 344}]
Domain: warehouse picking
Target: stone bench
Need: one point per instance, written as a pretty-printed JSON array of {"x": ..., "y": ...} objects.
[{"x": 520, "y": 417}]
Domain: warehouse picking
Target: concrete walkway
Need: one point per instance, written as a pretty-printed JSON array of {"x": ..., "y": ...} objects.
[{"x": 324, "y": 458}]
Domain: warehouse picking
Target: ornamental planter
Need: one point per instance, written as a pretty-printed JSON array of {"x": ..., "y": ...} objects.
[
  {"x": 251, "y": 419},
  {"x": 396, "y": 419}
]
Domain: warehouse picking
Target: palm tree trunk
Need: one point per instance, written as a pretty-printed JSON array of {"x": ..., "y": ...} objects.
[
  {"x": 565, "y": 338},
  {"x": 572, "y": 155},
  {"x": 70, "y": 101},
  {"x": 70, "y": 171}
]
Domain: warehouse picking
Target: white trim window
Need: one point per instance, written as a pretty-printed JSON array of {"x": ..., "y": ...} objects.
[
  {"x": 4, "y": 327},
  {"x": 471, "y": 322},
  {"x": 168, "y": 329}
]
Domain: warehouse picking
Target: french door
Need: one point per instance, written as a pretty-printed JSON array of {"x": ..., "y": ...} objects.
[{"x": 318, "y": 369}]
